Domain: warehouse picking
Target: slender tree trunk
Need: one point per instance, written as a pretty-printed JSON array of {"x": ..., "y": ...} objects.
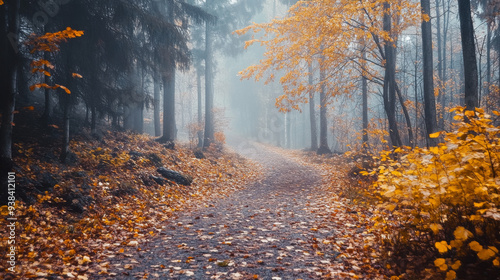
[
  {"x": 411, "y": 140},
  {"x": 208, "y": 137},
  {"x": 46, "y": 110},
  {"x": 429, "y": 98},
  {"x": 440, "y": 115},
  {"x": 323, "y": 122},
  {"x": 469, "y": 55},
  {"x": 446, "y": 22},
  {"x": 364, "y": 89},
  {"x": 200, "y": 118},
  {"x": 488, "y": 63},
  {"x": 66, "y": 102},
  {"x": 312, "y": 112},
  {"x": 93, "y": 120},
  {"x": 156, "y": 103},
  {"x": 389, "y": 90}
]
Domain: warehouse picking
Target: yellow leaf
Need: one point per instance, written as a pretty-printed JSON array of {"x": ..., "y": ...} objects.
[
  {"x": 396, "y": 173},
  {"x": 435, "y": 134},
  {"x": 426, "y": 17},
  {"x": 434, "y": 150},
  {"x": 4, "y": 210},
  {"x": 435, "y": 228},
  {"x": 474, "y": 245},
  {"x": 456, "y": 265},
  {"x": 470, "y": 113},
  {"x": 442, "y": 246},
  {"x": 390, "y": 207},
  {"x": 441, "y": 263},
  {"x": 450, "y": 275},
  {"x": 462, "y": 234},
  {"x": 434, "y": 202},
  {"x": 486, "y": 254}
]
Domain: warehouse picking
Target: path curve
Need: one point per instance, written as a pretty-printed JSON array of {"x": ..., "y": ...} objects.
[{"x": 262, "y": 231}]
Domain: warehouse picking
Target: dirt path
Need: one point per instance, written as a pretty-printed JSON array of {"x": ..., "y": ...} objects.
[{"x": 265, "y": 231}]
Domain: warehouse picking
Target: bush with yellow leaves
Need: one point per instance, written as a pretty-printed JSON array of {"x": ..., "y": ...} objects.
[{"x": 446, "y": 197}]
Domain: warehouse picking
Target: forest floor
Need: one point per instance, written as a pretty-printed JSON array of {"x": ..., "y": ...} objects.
[
  {"x": 290, "y": 224},
  {"x": 108, "y": 215}
]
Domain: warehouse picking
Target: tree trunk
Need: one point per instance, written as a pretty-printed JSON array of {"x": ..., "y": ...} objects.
[
  {"x": 9, "y": 60},
  {"x": 440, "y": 115},
  {"x": 209, "y": 91},
  {"x": 93, "y": 120},
  {"x": 323, "y": 122},
  {"x": 446, "y": 22},
  {"x": 469, "y": 55},
  {"x": 156, "y": 103},
  {"x": 488, "y": 64},
  {"x": 389, "y": 90},
  {"x": 429, "y": 98},
  {"x": 407, "y": 117},
  {"x": 312, "y": 113},
  {"x": 66, "y": 102},
  {"x": 46, "y": 110},
  {"x": 364, "y": 89},
  {"x": 200, "y": 118},
  {"x": 169, "y": 105}
]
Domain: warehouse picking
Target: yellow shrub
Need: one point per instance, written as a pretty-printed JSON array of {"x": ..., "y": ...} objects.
[{"x": 449, "y": 193}]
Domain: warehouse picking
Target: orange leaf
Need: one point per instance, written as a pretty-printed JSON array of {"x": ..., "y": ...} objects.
[
  {"x": 76, "y": 75},
  {"x": 30, "y": 108},
  {"x": 64, "y": 88}
]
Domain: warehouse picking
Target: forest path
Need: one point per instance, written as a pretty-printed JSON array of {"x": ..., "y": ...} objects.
[{"x": 268, "y": 230}]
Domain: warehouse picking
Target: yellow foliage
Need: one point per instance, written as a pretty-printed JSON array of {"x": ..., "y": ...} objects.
[
  {"x": 487, "y": 253},
  {"x": 474, "y": 245},
  {"x": 450, "y": 275},
  {"x": 442, "y": 246},
  {"x": 461, "y": 233},
  {"x": 454, "y": 186}
]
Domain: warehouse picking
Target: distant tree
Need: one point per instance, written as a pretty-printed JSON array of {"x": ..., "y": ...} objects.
[{"x": 230, "y": 15}]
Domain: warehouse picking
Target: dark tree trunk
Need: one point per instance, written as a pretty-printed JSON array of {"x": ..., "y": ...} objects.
[
  {"x": 66, "y": 102},
  {"x": 389, "y": 90},
  {"x": 407, "y": 117},
  {"x": 46, "y": 110},
  {"x": 312, "y": 113},
  {"x": 429, "y": 98},
  {"x": 323, "y": 122},
  {"x": 209, "y": 91},
  {"x": 9, "y": 59},
  {"x": 469, "y": 55},
  {"x": 93, "y": 120},
  {"x": 156, "y": 103}
]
